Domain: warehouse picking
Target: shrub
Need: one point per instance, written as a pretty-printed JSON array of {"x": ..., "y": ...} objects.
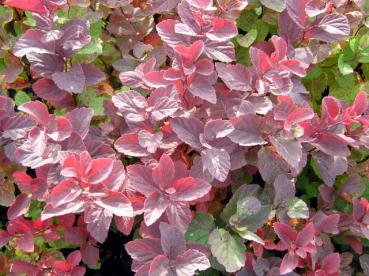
[{"x": 222, "y": 137}]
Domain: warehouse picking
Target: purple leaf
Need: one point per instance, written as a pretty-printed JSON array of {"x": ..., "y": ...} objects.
[
  {"x": 236, "y": 77},
  {"x": 72, "y": 81},
  {"x": 92, "y": 74},
  {"x": 188, "y": 130},
  {"x": 131, "y": 104},
  {"x": 332, "y": 27},
  {"x": 172, "y": 241},
  {"x": 246, "y": 131},
  {"x": 330, "y": 166},
  {"x": 217, "y": 162},
  {"x": 290, "y": 150}
]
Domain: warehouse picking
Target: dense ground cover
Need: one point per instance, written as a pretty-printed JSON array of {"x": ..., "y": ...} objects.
[{"x": 183, "y": 137}]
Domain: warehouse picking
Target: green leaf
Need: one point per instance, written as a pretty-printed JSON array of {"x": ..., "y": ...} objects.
[
  {"x": 229, "y": 250},
  {"x": 6, "y": 15},
  {"x": 21, "y": 97},
  {"x": 247, "y": 20},
  {"x": 91, "y": 99},
  {"x": 94, "y": 49},
  {"x": 242, "y": 192},
  {"x": 248, "y": 235},
  {"x": 34, "y": 210},
  {"x": 96, "y": 29},
  {"x": 344, "y": 67},
  {"x": 275, "y": 5},
  {"x": 7, "y": 190},
  {"x": 29, "y": 21},
  {"x": 348, "y": 95},
  {"x": 298, "y": 209},
  {"x": 251, "y": 214},
  {"x": 247, "y": 40},
  {"x": 199, "y": 229},
  {"x": 123, "y": 89},
  {"x": 60, "y": 112}
]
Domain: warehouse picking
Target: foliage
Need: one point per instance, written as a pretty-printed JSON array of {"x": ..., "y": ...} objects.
[{"x": 225, "y": 137}]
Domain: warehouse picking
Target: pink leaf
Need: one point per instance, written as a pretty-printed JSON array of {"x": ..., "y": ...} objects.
[
  {"x": 59, "y": 128},
  {"x": 37, "y": 111},
  {"x": 116, "y": 203},
  {"x": 331, "y": 27},
  {"x": 190, "y": 261},
  {"x": 155, "y": 206},
  {"x": 290, "y": 150},
  {"x": 223, "y": 29},
  {"x": 331, "y": 263},
  {"x": 331, "y": 144},
  {"x": 92, "y": 74},
  {"x": 217, "y": 129},
  {"x": 189, "y": 188},
  {"x": 25, "y": 242},
  {"x": 306, "y": 235},
  {"x": 65, "y": 192},
  {"x": 80, "y": 119},
  {"x": 100, "y": 169},
  {"x": 236, "y": 77},
  {"x": 140, "y": 179},
  {"x": 285, "y": 233},
  {"x": 144, "y": 250},
  {"x": 129, "y": 145},
  {"x": 163, "y": 174},
  {"x": 289, "y": 263},
  {"x": 19, "y": 207},
  {"x": 98, "y": 222},
  {"x": 160, "y": 266},
  {"x": 36, "y": 6},
  {"x": 131, "y": 104}
]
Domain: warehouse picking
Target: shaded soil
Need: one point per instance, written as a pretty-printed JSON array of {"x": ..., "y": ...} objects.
[{"x": 114, "y": 259}]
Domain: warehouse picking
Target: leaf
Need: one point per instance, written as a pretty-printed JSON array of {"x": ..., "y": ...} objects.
[
  {"x": 248, "y": 235},
  {"x": 344, "y": 67},
  {"x": 248, "y": 39},
  {"x": 246, "y": 131},
  {"x": 217, "y": 162},
  {"x": 21, "y": 97},
  {"x": 251, "y": 214},
  {"x": 364, "y": 263},
  {"x": 229, "y": 250},
  {"x": 190, "y": 261},
  {"x": 284, "y": 189},
  {"x": 116, "y": 203},
  {"x": 188, "y": 130},
  {"x": 329, "y": 167},
  {"x": 290, "y": 150},
  {"x": 36, "y": 6},
  {"x": 199, "y": 229},
  {"x": 72, "y": 80},
  {"x": 91, "y": 99},
  {"x": 298, "y": 209},
  {"x": 6, "y": 192},
  {"x": 236, "y": 77},
  {"x": 331, "y": 28},
  {"x": 275, "y": 5}
]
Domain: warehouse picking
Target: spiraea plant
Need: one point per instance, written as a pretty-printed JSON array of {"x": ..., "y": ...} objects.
[{"x": 196, "y": 137}]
